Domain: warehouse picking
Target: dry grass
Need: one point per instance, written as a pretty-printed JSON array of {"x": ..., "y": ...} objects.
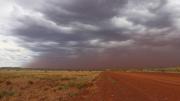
[
  {"x": 162, "y": 69},
  {"x": 36, "y": 85}
]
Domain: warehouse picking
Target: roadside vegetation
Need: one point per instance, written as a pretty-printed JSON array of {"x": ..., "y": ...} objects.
[
  {"x": 43, "y": 85},
  {"x": 156, "y": 69}
]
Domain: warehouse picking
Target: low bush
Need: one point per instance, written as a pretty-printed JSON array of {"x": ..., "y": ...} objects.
[{"x": 6, "y": 94}]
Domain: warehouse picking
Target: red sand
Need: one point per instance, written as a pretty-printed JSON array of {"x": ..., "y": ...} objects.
[{"x": 121, "y": 86}]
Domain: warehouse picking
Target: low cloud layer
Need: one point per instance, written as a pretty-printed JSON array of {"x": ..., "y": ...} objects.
[{"x": 91, "y": 33}]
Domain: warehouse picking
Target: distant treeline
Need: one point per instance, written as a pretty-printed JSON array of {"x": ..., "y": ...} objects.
[
  {"x": 161, "y": 69},
  {"x": 123, "y": 69}
]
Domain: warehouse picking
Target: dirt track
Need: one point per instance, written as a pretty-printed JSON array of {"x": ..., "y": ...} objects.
[{"x": 119, "y": 86}]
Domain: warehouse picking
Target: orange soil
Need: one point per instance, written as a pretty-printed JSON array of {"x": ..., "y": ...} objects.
[{"x": 121, "y": 86}]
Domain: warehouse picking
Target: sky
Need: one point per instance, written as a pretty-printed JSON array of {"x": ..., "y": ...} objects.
[{"x": 89, "y": 33}]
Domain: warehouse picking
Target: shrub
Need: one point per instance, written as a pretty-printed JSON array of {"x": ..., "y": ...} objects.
[
  {"x": 72, "y": 94},
  {"x": 30, "y": 82},
  {"x": 67, "y": 78},
  {"x": 8, "y": 82},
  {"x": 6, "y": 94},
  {"x": 63, "y": 87},
  {"x": 73, "y": 84}
]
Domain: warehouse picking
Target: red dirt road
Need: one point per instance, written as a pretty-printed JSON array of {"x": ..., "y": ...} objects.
[{"x": 121, "y": 86}]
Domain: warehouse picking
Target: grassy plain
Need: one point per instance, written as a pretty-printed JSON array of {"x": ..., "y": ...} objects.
[
  {"x": 43, "y": 85},
  {"x": 54, "y": 85}
]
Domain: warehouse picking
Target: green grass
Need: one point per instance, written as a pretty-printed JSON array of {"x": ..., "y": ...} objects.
[
  {"x": 63, "y": 87},
  {"x": 73, "y": 84},
  {"x": 72, "y": 94},
  {"x": 5, "y": 93}
]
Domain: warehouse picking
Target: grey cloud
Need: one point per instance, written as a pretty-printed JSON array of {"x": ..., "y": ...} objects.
[
  {"x": 150, "y": 13},
  {"x": 86, "y": 11},
  {"x": 72, "y": 24}
]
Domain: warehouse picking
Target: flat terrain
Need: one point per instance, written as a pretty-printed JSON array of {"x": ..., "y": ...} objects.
[
  {"x": 122, "y": 86},
  {"x": 38, "y": 85},
  {"x": 29, "y": 85}
]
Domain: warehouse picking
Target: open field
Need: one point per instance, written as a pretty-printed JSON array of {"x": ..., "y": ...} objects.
[
  {"x": 37, "y": 85},
  {"x": 129, "y": 85}
]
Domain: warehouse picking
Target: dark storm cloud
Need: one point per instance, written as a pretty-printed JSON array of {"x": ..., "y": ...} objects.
[
  {"x": 87, "y": 32},
  {"x": 88, "y": 11}
]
